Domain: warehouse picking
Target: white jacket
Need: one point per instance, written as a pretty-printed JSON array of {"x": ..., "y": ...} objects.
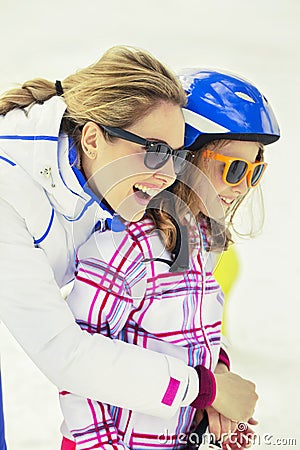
[{"x": 44, "y": 216}]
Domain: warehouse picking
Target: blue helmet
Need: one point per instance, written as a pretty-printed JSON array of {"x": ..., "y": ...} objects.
[{"x": 225, "y": 106}]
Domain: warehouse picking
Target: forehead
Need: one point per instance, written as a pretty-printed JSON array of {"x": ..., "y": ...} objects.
[
  {"x": 241, "y": 149},
  {"x": 164, "y": 123}
]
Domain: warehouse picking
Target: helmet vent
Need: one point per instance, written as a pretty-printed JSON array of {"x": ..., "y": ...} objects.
[{"x": 244, "y": 96}]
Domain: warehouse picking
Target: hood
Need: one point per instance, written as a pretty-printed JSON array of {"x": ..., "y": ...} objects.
[{"x": 30, "y": 137}]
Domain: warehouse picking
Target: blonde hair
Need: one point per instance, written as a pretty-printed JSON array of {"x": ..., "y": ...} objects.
[
  {"x": 187, "y": 201},
  {"x": 119, "y": 89}
]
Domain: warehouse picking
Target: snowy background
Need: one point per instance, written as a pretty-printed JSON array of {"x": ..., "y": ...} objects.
[{"x": 259, "y": 39}]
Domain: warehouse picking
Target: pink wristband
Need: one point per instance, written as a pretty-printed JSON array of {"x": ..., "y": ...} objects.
[
  {"x": 224, "y": 358},
  {"x": 207, "y": 388}
]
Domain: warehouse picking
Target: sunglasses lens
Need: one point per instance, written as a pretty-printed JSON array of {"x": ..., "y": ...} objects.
[
  {"x": 257, "y": 173},
  {"x": 179, "y": 161},
  {"x": 236, "y": 171},
  {"x": 156, "y": 156}
]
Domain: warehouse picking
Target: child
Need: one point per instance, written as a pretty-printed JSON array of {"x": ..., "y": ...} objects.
[{"x": 150, "y": 284}]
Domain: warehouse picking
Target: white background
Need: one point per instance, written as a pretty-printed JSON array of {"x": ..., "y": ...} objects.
[{"x": 259, "y": 39}]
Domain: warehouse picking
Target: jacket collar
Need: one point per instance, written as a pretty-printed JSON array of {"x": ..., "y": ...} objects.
[{"x": 32, "y": 139}]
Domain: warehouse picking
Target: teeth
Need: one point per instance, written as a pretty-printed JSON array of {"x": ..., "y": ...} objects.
[
  {"x": 226, "y": 200},
  {"x": 151, "y": 192}
]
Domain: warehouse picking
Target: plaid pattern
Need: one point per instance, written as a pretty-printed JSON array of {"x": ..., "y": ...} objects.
[{"x": 123, "y": 292}]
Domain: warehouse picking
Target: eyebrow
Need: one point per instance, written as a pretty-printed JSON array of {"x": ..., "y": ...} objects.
[
  {"x": 164, "y": 142},
  {"x": 136, "y": 138}
]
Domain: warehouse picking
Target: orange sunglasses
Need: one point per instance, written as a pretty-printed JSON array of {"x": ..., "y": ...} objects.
[{"x": 237, "y": 169}]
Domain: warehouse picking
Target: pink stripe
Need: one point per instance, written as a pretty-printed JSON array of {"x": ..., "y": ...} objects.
[
  {"x": 224, "y": 358},
  {"x": 91, "y": 309},
  {"x": 185, "y": 331},
  {"x": 67, "y": 444},
  {"x": 94, "y": 415},
  {"x": 118, "y": 251},
  {"x": 203, "y": 291},
  {"x": 64, "y": 393},
  {"x": 140, "y": 228},
  {"x": 171, "y": 392}
]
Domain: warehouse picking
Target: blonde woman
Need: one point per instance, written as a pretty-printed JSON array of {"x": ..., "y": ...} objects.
[{"x": 61, "y": 174}]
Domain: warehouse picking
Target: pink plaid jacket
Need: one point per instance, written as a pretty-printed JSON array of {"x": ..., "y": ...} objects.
[{"x": 122, "y": 291}]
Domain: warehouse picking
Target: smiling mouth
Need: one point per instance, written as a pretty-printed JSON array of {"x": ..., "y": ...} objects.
[
  {"x": 227, "y": 201},
  {"x": 143, "y": 192}
]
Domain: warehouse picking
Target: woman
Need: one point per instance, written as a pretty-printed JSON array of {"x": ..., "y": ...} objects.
[
  {"x": 49, "y": 205},
  {"x": 156, "y": 290}
]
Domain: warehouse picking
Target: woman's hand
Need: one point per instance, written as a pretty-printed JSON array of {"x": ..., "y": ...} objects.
[{"x": 235, "y": 397}]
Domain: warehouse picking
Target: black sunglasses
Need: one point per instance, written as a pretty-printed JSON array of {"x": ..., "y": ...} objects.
[{"x": 157, "y": 153}]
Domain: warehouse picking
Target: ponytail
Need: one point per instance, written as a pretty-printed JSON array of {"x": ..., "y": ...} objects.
[{"x": 37, "y": 90}]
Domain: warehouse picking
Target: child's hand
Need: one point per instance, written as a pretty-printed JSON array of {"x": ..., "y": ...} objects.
[
  {"x": 232, "y": 435},
  {"x": 241, "y": 438},
  {"x": 219, "y": 426}
]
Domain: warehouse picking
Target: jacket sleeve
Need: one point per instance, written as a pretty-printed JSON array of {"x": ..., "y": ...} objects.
[
  {"x": 101, "y": 300},
  {"x": 34, "y": 311}
]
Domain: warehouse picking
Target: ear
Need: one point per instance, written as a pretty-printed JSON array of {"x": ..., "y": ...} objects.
[{"x": 91, "y": 138}]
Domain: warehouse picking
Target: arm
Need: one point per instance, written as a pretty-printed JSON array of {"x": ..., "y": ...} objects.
[
  {"x": 33, "y": 310},
  {"x": 101, "y": 301},
  {"x": 219, "y": 424}
]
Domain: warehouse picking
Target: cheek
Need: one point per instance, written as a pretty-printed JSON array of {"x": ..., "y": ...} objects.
[
  {"x": 119, "y": 173},
  {"x": 121, "y": 189},
  {"x": 118, "y": 196},
  {"x": 130, "y": 166},
  {"x": 215, "y": 175},
  {"x": 219, "y": 183}
]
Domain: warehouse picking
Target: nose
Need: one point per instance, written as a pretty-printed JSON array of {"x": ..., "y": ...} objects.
[
  {"x": 242, "y": 188},
  {"x": 166, "y": 173}
]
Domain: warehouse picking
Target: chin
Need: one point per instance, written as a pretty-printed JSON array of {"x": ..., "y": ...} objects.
[
  {"x": 132, "y": 216},
  {"x": 137, "y": 217}
]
